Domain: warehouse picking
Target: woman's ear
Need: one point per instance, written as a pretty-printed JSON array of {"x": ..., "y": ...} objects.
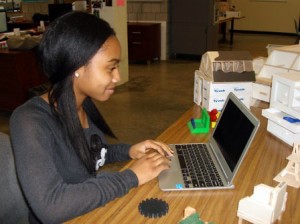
[{"x": 79, "y": 72}]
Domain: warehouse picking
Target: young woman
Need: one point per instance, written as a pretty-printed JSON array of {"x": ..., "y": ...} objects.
[{"x": 58, "y": 138}]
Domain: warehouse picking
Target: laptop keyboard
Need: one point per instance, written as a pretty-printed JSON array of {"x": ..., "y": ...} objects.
[{"x": 197, "y": 167}]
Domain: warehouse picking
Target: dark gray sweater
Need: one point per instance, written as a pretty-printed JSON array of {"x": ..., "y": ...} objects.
[{"x": 55, "y": 182}]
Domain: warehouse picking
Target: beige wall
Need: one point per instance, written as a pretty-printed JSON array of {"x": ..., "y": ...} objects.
[
  {"x": 147, "y": 11},
  {"x": 270, "y": 16},
  {"x": 116, "y": 16},
  {"x": 30, "y": 8},
  {"x": 261, "y": 15}
]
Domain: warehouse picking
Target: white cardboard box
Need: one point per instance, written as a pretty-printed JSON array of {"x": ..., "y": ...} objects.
[
  {"x": 212, "y": 95},
  {"x": 217, "y": 101}
]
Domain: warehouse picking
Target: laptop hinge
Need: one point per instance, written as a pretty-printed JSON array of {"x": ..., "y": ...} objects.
[{"x": 222, "y": 169}]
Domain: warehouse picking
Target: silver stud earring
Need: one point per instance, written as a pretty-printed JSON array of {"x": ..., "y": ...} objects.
[{"x": 76, "y": 74}]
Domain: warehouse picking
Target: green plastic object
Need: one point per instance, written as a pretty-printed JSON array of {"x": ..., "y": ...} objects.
[
  {"x": 202, "y": 125},
  {"x": 194, "y": 219}
]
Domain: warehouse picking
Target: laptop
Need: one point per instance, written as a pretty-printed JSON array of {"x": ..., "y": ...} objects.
[{"x": 223, "y": 153}]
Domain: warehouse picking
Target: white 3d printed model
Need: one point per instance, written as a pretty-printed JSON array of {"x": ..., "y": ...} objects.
[
  {"x": 291, "y": 173},
  {"x": 264, "y": 206}
]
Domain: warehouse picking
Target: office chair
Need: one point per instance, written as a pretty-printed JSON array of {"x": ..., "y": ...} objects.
[{"x": 13, "y": 208}]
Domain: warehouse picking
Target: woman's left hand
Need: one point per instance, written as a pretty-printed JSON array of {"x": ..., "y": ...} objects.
[{"x": 140, "y": 149}]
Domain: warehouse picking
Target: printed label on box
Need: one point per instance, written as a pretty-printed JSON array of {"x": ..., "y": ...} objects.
[
  {"x": 217, "y": 102},
  {"x": 225, "y": 88}
]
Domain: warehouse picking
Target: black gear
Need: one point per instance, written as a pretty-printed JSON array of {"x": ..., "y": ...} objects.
[{"x": 153, "y": 208}]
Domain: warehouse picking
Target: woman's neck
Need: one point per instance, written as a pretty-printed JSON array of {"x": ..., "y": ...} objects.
[{"x": 83, "y": 118}]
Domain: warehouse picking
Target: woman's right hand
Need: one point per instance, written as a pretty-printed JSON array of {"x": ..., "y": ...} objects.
[{"x": 149, "y": 166}]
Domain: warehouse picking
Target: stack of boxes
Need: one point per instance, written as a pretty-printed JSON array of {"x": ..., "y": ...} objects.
[{"x": 220, "y": 73}]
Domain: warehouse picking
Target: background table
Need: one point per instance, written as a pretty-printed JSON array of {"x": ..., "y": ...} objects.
[
  {"x": 265, "y": 159},
  {"x": 222, "y": 21}
]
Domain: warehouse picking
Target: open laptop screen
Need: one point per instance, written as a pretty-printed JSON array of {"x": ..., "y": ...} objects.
[{"x": 232, "y": 137}]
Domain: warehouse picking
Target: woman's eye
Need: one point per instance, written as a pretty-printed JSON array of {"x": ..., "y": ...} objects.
[{"x": 112, "y": 68}]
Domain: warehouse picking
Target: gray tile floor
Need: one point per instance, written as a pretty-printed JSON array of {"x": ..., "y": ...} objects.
[{"x": 158, "y": 93}]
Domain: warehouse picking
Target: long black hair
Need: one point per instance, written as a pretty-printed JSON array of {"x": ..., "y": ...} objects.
[{"x": 67, "y": 44}]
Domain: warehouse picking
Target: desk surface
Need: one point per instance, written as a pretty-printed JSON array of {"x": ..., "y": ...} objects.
[
  {"x": 264, "y": 160},
  {"x": 226, "y": 19}
]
